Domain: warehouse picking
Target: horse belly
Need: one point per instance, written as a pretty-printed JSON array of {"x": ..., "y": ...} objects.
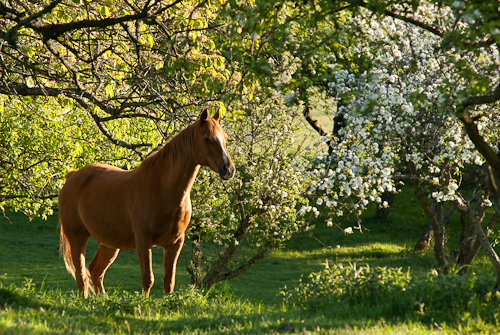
[
  {"x": 109, "y": 227},
  {"x": 111, "y": 234}
]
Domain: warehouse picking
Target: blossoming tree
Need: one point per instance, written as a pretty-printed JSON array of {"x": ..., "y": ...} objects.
[{"x": 400, "y": 126}]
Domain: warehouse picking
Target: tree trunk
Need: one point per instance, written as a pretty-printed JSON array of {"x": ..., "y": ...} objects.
[
  {"x": 314, "y": 123},
  {"x": 382, "y": 212},
  {"x": 493, "y": 179},
  {"x": 470, "y": 245},
  {"x": 439, "y": 233},
  {"x": 476, "y": 217},
  {"x": 224, "y": 259},
  {"x": 436, "y": 218},
  {"x": 488, "y": 250},
  {"x": 194, "y": 267},
  {"x": 243, "y": 268}
]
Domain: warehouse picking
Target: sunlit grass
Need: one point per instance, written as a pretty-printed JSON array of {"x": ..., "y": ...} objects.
[{"x": 37, "y": 295}]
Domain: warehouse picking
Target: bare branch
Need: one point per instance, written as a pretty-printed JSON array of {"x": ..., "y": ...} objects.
[
  {"x": 483, "y": 99},
  {"x": 432, "y": 29},
  {"x": 243, "y": 268},
  {"x": 27, "y": 196},
  {"x": 115, "y": 141},
  {"x": 11, "y": 34},
  {"x": 314, "y": 123},
  {"x": 470, "y": 126},
  {"x": 413, "y": 21},
  {"x": 55, "y": 30},
  {"x": 52, "y": 31},
  {"x": 24, "y": 90}
]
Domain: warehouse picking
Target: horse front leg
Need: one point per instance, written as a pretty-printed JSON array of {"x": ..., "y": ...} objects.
[
  {"x": 146, "y": 264},
  {"x": 171, "y": 254}
]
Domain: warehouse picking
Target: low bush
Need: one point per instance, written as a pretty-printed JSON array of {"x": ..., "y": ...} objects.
[{"x": 393, "y": 294}]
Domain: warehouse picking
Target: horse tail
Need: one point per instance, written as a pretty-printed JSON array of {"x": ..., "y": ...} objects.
[{"x": 65, "y": 250}]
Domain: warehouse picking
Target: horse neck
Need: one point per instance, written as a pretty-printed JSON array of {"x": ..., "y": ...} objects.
[{"x": 173, "y": 166}]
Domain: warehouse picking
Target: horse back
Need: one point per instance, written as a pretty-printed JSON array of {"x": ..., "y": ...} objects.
[
  {"x": 70, "y": 173},
  {"x": 98, "y": 176}
]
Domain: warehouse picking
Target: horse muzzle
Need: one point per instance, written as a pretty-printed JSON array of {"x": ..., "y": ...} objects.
[{"x": 227, "y": 171}]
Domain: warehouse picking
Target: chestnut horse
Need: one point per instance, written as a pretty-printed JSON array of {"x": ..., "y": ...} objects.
[{"x": 138, "y": 209}]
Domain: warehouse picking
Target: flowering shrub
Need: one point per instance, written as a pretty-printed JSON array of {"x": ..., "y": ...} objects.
[
  {"x": 260, "y": 206},
  {"x": 353, "y": 284}
]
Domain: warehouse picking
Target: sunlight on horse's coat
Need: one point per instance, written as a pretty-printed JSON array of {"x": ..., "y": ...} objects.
[{"x": 138, "y": 209}]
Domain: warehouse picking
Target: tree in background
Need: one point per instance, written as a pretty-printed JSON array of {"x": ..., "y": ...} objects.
[
  {"x": 131, "y": 74},
  {"x": 400, "y": 127}
]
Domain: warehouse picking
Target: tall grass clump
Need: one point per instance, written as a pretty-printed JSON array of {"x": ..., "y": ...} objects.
[{"x": 364, "y": 292}]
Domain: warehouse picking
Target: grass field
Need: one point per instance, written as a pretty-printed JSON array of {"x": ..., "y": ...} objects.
[
  {"x": 37, "y": 295},
  {"x": 385, "y": 288}
]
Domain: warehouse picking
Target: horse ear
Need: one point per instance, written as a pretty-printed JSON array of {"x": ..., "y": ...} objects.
[
  {"x": 204, "y": 115},
  {"x": 217, "y": 115}
]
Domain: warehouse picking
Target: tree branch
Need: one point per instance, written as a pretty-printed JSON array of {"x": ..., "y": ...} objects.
[
  {"x": 483, "y": 99},
  {"x": 78, "y": 95},
  {"x": 313, "y": 122},
  {"x": 24, "y": 90},
  {"x": 55, "y": 30},
  {"x": 118, "y": 142},
  {"x": 23, "y": 196},
  {"x": 11, "y": 34},
  {"x": 243, "y": 268},
  {"x": 52, "y": 31},
  {"x": 413, "y": 21},
  {"x": 224, "y": 259},
  {"x": 470, "y": 126},
  {"x": 423, "y": 25}
]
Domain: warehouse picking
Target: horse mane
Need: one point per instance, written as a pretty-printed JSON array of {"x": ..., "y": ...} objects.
[{"x": 175, "y": 147}]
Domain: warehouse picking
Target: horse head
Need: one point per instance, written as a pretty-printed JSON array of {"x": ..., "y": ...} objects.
[{"x": 210, "y": 146}]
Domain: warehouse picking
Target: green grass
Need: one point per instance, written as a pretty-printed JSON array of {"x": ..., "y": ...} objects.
[{"x": 37, "y": 295}]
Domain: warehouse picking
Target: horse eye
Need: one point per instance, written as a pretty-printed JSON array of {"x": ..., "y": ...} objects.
[{"x": 206, "y": 140}]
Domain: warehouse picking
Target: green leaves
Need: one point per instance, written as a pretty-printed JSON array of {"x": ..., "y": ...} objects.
[
  {"x": 104, "y": 10},
  {"x": 384, "y": 292}
]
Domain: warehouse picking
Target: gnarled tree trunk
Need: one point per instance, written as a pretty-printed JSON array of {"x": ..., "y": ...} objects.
[
  {"x": 436, "y": 219},
  {"x": 476, "y": 216}
]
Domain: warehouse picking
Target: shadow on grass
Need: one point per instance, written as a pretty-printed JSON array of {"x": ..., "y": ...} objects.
[{"x": 9, "y": 298}]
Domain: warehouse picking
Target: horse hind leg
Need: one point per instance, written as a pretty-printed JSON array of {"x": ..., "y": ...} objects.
[
  {"x": 103, "y": 258},
  {"x": 73, "y": 244},
  {"x": 78, "y": 256}
]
